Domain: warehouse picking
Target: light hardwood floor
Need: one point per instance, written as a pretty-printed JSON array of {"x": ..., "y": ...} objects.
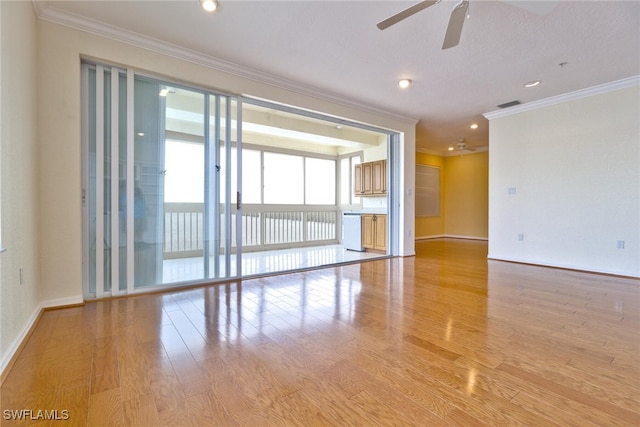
[{"x": 443, "y": 338}]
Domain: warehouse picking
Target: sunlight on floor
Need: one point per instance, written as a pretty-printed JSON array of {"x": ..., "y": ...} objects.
[{"x": 266, "y": 262}]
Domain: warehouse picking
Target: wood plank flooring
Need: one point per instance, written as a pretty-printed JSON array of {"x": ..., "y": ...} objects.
[{"x": 445, "y": 338}]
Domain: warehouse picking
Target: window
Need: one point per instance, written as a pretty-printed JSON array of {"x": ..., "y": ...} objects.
[
  {"x": 355, "y": 160},
  {"x": 345, "y": 182},
  {"x": 320, "y": 181},
  {"x": 251, "y": 176},
  {"x": 347, "y": 170},
  {"x": 283, "y": 179},
  {"x": 184, "y": 180},
  {"x": 291, "y": 179}
]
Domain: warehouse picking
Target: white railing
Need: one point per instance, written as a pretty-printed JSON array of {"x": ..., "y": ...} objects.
[
  {"x": 183, "y": 230},
  {"x": 264, "y": 227}
]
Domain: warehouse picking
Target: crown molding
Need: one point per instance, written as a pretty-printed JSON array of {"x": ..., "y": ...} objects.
[
  {"x": 457, "y": 152},
  {"x": 571, "y": 96},
  {"x": 77, "y": 22},
  {"x": 430, "y": 152},
  {"x": 453, "y": 153}
]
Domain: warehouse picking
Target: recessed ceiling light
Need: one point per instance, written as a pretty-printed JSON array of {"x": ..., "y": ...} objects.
[
  {"x": 450, "y": 148},
  {"x": 209, "y": 5},
  {"x": 533, "y": 83},
  {"x": 474, "y": 126},
  {"x": 404, "y": 83}
]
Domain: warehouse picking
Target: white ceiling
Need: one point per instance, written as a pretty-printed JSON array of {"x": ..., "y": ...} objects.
[{"x": 333, "y": 47}]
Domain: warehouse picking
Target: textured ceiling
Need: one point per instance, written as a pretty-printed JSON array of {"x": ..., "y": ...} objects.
[{"x": 334, "y": 47}]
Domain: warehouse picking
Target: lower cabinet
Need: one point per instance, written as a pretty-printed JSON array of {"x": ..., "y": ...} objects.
[{"x": 374, "y": 232}]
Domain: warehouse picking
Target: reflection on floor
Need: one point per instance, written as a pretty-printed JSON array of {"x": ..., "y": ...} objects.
[
  {"x": 265, "y": 262},
  {"x": 445, "y": 338}
]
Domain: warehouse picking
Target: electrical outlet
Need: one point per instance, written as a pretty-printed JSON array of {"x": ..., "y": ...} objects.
[
  {"x": 620, "y": 244},
  {"x": 520, "y": 237}
]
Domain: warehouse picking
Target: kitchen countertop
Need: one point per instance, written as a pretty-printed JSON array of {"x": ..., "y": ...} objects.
[{"x": 366, "y": 211}]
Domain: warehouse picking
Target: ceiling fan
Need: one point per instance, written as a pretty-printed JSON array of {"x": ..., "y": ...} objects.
[
  {"x": 462, "y": 146},
  {"x": 459, "y": 13},
  {"x": 456, "y": 20}
]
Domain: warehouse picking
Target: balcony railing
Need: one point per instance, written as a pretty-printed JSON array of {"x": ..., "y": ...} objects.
[
  {"x": 183, "y": 230},
  {"x": 264, "y": 227}
]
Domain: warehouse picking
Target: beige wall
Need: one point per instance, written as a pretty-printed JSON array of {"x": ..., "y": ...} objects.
[
  {"x": 573, "y": 168},
  {"x": 18, "y": 174},
  {"x": 464, "y": 188},
  {"x": 432, "y": 226},
  {"x": 466, "y": 195}
]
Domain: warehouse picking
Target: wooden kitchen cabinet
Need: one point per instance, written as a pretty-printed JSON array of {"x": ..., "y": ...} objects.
[
  {"x": 357, "y": 180},
  {"x": 379, "y": 177},
  {"x": 380, "y": 232},
  {"x": 368, "y": 227},
  {"x": 370, "y": 179},
  {"x": 374, "y": 232}
]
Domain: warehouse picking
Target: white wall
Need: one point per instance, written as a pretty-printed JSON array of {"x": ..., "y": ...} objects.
[
  {"x": 575, "y": 167},
  {"x": 19, "y": 302},
  {"x": 60, "y": 49}
]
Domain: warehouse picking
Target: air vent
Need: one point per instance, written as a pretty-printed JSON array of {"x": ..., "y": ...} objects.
[{"x": 509, "y": 104}]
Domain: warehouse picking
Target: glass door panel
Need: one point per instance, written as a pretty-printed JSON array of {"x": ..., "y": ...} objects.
[
  {"x": 148, "y": 182},
  {"x": 161, "y": 178},
  {"x": 104, "y": 153},
  {"x": 223, "y": 215},
  {"x": 184, "y": 203}
]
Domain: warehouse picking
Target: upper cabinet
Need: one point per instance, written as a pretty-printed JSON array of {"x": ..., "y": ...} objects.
[
  {"x": 370, "y": 179},
  {"x": 379, "y": 177}
]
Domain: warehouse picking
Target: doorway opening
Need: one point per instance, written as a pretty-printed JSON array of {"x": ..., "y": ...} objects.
[{"x": 220, "y": 186}]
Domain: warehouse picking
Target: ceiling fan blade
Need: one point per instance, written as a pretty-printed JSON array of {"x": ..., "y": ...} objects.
[
  {"x": 406, "y": 13},
  {"x": 454, "y": 30}
]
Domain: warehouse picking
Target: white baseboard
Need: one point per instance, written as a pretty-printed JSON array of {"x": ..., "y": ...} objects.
[
  {"x": 454, "y": 236},
  {"x": 435, "y": 236},
  {"x": 561, "y": 266},
  {"x": 450, "y": 236},
  {"x": 61, "y": 302},
  {"x": 17, "y": 342}
]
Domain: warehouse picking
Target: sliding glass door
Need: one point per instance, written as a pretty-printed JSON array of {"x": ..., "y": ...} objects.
[{"x": 161, "y": 183}]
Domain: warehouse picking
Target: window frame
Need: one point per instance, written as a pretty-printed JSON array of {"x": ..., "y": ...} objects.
[{"x": 354, "y": 202}]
